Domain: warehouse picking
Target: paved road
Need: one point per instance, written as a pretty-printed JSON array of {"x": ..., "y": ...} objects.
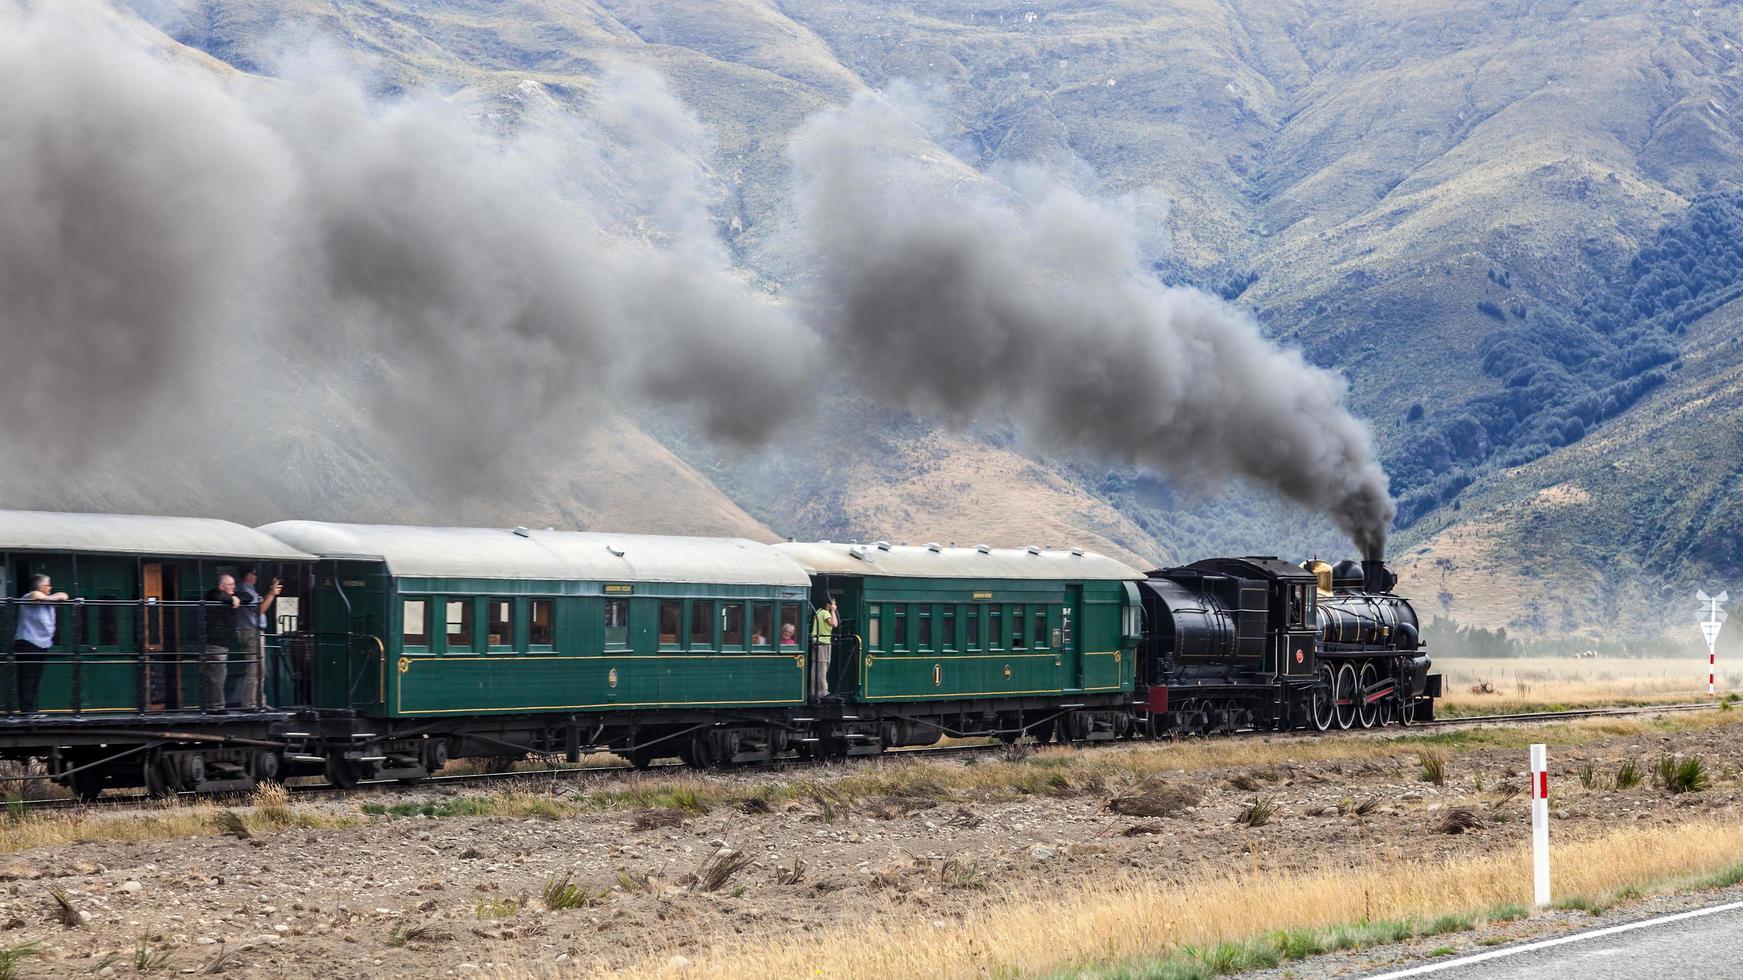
[{"x": 1704, "y": 943}]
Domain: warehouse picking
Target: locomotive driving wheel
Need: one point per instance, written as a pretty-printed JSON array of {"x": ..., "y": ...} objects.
[
  {"x": 1367, "y": 711},
  {"x": 1347, "y": 694},
  {"x": 1406, "y": 710},
  {"x": 1325, "y": 701}
]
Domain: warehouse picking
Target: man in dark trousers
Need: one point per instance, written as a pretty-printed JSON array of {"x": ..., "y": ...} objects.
[
  {"x": 223, "y": 608},
  {"x": 250, "y": 631},
  {"x": 33, "y": 637}
]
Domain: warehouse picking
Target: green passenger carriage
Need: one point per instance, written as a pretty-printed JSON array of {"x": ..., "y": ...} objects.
[
  {"x": 979, "y": 639},
  {"x": 484, "y": 641},
  {"x": 480, "y": 621}
]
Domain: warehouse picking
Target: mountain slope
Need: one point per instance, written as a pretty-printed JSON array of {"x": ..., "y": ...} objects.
[{"x": 1424, "y": 195}]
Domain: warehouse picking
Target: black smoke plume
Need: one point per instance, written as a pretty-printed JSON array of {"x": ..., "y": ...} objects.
[
  {"x": 954, "y": 299},
  {"x": 177, "y": 240}
]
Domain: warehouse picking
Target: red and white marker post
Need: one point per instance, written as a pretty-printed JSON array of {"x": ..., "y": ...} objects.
[
  {"x": 1710, "y": 626},
  {"x": 1540, "y": 823}
]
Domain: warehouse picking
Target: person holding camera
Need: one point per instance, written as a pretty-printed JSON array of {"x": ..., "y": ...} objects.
[{"x": 251, "y": 635}]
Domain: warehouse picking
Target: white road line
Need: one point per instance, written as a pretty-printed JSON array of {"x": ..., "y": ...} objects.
[{"x": 1496, "y": 954}]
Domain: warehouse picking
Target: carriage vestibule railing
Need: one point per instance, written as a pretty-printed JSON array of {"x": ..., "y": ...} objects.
[{"x": 147, "y": 656}]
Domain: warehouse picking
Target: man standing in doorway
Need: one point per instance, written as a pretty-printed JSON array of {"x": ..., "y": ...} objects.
[
  {"x": 250, "y": 632},
  {"x": 822, "y": 647},
  {"x": 33, "y": 637}
]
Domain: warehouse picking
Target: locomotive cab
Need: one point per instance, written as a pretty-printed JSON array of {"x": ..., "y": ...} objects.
[{"x": 1231, "y": 643}]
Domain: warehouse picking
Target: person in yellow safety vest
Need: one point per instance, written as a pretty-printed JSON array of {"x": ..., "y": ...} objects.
[{"x": 822, "y": 645}]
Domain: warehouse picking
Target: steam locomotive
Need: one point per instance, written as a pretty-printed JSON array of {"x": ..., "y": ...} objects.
[
  {"x": 393, "y": 650},
  {"x": 1234, "y": 643}
]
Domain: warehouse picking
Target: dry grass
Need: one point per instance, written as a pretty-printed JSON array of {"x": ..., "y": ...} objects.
[
  {"x": 1135, "y": 921},
  {"x": 1545, "y": 684},
  {"x": 270, "y": 811}
]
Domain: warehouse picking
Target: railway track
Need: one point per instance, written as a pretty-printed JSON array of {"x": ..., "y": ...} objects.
[{"x": 941, "y": 751}]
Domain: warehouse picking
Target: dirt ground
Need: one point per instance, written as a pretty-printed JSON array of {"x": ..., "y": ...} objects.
[{"x": 422, "y": 896}]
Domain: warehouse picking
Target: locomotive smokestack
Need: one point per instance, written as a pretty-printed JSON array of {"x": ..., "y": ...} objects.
[{"x": 1375, "y": 577}]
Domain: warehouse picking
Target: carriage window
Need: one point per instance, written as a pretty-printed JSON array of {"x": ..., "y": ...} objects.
[
  {"x": 459, "y": 618},
  {"x": 925, "y": 641},
  {"x": 762, "y": 623},
  {"x": 1041, "y": 627},
  {"x": 671, "y": 621},
  {"x": 947, "y": 626},
  {"x": 617, "y": 623},
  {"x": 873, "y": 635},
  {"x": 701, "y": 625},
  {"x": 542, "y": 628},
  {"x": 789, "y": 625},
  {"x": 500, "y": 628},
  {"x": 416, "y": 632},
  {"x": 973, "y": 625},
  {"x": 899, "y": 629},
  {"x": 1018, "y": 640},
  {"x": 995, "y": 629},
  {"x": 732, "y": 624}
]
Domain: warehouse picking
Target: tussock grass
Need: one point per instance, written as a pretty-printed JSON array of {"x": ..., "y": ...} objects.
[
  {"x": 1682, "y": 774},
  {"x": 1433, "y": 764},
  {"x": 562, "y": 893},
  {"x": 718, "y": 868},
  {"x": 1258, "y": 813},
  {"x": 12, "y": 957},
  {"x": 1137, "y": 926},
  {"x": 1458, "y": 820}
]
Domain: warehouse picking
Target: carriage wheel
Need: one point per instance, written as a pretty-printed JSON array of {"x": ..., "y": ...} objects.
[
  {"x": 343, "y": 773},
  {"x": 1325, "y": 701},
  {"x": 1042, "y": 732},
  {"x": 702, "y": 753},
  {"x": 1367, "y": 711},
  {"x": 1347, "y": 695},
  {"x": 88, "y": 784},
  {"x": 158, "y": 784}
]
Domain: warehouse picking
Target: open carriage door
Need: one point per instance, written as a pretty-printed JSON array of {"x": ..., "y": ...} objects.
[
  {"x": 1071, "y": 619},
  {"x": 159, "y": 632}
]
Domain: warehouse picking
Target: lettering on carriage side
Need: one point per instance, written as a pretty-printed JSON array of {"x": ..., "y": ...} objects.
[
  {"x": 983, "y": 595},
  {"x": 620, "y": 589},
  {"x": 354, "y": 583}
]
